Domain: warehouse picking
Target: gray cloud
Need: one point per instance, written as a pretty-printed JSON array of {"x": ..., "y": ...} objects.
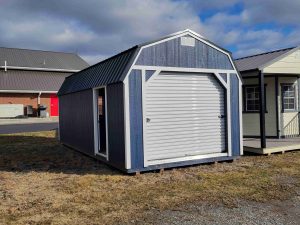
[
  {"x": 277, "y": 11},
  {"x": 92, "y": 28},
  {"x": 97, "y": 29}
]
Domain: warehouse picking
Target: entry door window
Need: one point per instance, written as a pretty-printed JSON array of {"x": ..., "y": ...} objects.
[
  {"x": 289, "y": 97},
  {"x": 102, "y": 121}
]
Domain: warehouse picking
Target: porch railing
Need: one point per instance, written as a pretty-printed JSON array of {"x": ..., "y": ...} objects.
[{"x": 292, "y": 129}]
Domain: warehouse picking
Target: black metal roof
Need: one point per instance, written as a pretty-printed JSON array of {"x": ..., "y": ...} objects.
[
  {"x": 256, "y": 61},
  {"x": 18, "y": 80},
  {"x": 108, "y": 71},
  {"x": 41, "y": 59}
]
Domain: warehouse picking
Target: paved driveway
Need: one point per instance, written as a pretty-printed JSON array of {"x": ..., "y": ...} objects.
[{"x": 20, "y": 128}]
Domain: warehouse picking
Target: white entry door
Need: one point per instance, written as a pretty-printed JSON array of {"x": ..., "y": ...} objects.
[{"x": 184, "y": 116}]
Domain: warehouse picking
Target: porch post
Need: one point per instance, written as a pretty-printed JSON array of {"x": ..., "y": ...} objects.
[{"x": 262, "y": 110}]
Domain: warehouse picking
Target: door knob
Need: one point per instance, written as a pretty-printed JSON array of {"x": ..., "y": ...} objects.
[
  {"x": 148, "y": 120},
  {"x": 221, "y": 116}
]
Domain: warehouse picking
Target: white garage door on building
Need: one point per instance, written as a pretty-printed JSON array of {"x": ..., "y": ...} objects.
[{"x": 184, "y": 116}]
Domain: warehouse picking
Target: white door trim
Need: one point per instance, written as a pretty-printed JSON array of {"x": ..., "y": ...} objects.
[
  {"x": 96, "y": 123},
  {"x": 226, "y": 86}
]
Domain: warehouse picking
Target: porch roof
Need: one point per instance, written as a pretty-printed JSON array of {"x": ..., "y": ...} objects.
[{"x": 254, "y": 62}]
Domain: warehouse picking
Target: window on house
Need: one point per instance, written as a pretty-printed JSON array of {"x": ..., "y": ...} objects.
[
  {"x": 252, "y": 98},
  {"x": 288, "y": 97}
]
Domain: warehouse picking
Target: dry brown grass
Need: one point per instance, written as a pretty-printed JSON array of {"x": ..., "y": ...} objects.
[{"x": 42, "y": 182}]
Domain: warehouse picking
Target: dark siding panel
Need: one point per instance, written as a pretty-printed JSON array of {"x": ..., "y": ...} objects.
[
  {"x": 115, "y": 121},
  {"x": 76, "y": 121},
  {"x": 235, "y": 115},
  {"x": 136, "y": 119},
  {"x": 173, "y": 54}
]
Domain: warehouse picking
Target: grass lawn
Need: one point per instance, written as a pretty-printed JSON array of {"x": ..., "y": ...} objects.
[{"x": 42, "y": 182}]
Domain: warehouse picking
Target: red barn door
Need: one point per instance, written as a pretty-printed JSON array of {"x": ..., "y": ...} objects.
[{"x": 53, "y": 105}]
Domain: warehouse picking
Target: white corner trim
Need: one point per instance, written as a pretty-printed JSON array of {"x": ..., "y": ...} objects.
[
  {"x": 241, "y": 118},
  {"x": 144, "y": 114},
  {"x": 229, "y": 116},
  {"x": 127, "y": 124}
]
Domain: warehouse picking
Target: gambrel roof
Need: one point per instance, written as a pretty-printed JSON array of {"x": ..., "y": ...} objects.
[{"x": 115, "y": 69}]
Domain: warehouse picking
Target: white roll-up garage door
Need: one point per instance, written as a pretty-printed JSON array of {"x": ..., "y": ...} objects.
[{"x": 184, "y": 116}]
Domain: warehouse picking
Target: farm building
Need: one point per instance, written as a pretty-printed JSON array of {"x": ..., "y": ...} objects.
[
  {"x": 271, "y": 100},
  {"x": 30, "y": 78},
  {"x": 171, "y": 102}
]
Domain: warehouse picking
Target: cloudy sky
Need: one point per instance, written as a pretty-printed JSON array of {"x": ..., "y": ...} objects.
[{"x": 97, "y": 29}]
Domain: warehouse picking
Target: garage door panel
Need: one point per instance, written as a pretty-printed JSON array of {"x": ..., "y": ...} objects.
[
  {"x": 183, "y": 114},
  {"x": 155, "y": 146},
  {"x": 184, "y": 130},
  {"x": 178, "y": 136}
]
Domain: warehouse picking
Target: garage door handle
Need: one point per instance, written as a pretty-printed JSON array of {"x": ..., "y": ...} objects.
[
  {"x": 221, "y": 116},
  {"x": 148, "y": 120}
]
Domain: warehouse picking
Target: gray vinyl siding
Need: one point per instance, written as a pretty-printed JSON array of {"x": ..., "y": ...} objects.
[
  {"x": 172, "y": 54},
  {"x": 116, "y": 125},
  {"x": 76, "y": 121}
]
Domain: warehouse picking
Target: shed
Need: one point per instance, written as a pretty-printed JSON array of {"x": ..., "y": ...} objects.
[{"x": 171, "y": 102}]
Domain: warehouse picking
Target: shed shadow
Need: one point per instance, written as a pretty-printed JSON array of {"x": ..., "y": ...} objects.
[{"x": 40, "y": 153}]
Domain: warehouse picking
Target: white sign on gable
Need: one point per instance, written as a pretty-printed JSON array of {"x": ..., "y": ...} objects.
[{"x": 187, "y": 41}]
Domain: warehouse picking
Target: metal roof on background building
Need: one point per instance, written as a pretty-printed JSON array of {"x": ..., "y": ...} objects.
[
  {"x": 18, "y": 80},
  {"x": 106, "y": 72},
  {"x": 256, "y": 61},
  {"x": 41, "y": 59}
]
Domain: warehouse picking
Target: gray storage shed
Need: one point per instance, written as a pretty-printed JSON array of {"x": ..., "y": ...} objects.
[{"x": 172, "y": 102}]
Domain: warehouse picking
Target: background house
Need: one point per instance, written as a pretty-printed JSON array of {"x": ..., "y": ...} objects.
[
  {"x": 33, "y": 77},
  {"x": 271, "y": 86},
  {"x": 171, "y": 102}
]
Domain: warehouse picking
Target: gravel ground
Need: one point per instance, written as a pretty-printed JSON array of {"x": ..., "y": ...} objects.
[{"x": 245, "y": 213}]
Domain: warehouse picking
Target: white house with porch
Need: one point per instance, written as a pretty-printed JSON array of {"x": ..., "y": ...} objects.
[{"x": 271, "y": 106}]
